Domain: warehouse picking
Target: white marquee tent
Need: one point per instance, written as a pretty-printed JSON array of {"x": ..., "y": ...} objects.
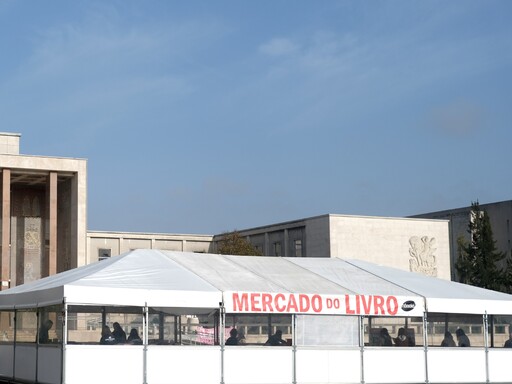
[
  {"x": 189, "y": 283},
  {"x": 147, "y": 277}
]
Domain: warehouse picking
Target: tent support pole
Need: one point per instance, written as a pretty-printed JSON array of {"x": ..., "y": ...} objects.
[
  {"x": 38, "y": 325},
  {"x": 486, "y": 343},
  {"x": 294, "y": 349},
  {"x": 145, "y": 342},
  {"x": 361, "y": 344},
  {"x": 222, "y": 311},
  {"x": 64, "y": 340},
  {"x": 425, "y": 344}
]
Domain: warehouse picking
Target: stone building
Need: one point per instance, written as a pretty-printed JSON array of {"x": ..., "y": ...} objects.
[
  {"x": 102, "y": 244},
  {"x": 43, "y": 213},
  {"x": 500, "y": 217},
  {"x": 417, "y": 245}
]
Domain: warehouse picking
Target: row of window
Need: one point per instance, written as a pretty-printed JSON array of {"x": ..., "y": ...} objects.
[{"x": 86, "y": 323}]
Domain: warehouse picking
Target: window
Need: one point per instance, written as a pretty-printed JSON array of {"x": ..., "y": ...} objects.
[
  {"x": 500, "y": 331},
  {"x": 327, "y": 330},
  {"x": 256, "y": 329},
  {"x": 89, "y": 322},
  {"x": 6, "y": 326},
  {"x": 393, "y": 331},
  {"x": 464, "y": 330},
  {"x": 50, "y": 325},
  {"x": 166, "y": 327},
  {"x": 104, "y": 253},
  {"x": 26, "y": 326},
  {"x": 277, "y": 249},
  {"x": 298, "y": 247}
]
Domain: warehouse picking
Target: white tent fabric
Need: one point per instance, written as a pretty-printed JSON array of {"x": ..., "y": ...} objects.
[
  {"x": 441, "y": 295},
  {"x": 188, "y": 280}
]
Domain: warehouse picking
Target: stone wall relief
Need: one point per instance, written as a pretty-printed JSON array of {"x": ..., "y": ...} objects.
[{"x": 422, "y": 259}]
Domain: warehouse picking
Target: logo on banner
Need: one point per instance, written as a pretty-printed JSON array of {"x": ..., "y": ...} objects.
[{"x": 408, "y": 306}]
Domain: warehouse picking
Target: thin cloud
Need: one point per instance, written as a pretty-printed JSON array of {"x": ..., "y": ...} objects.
[{"x": 279, "y": 47}]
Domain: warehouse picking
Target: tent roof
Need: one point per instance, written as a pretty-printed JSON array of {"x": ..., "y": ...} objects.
[
  {"x": 443, "y": 295},
  {"x": 190, "y": 280}
]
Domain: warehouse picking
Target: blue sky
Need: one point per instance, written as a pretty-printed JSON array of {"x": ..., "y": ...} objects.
[{"x": 210, "y": 116}]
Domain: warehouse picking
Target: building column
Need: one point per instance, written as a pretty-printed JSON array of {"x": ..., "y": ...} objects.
[
  {"x": 51, "y": 214},
  {"x": 6, "y": 229}
]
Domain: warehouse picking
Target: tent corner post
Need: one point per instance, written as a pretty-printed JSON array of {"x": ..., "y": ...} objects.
[
  {"x": 64, "y": 339},
  {"x": 222, "y": 312},
  {"x": 145, "y": 333},
  {"x": 486, "y": 343},
  {"x": 425, "y": 343}
]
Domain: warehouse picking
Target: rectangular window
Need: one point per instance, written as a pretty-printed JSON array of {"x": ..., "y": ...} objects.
[
  {"x": 393, "y": 331},
  {"x": 6, "y": 326},
  {"x": 455, "y": 330},
  {"x": 104, "y": 253},
  {"x": 330, "y": 330},
  {"x": 277, "y": 249},
  {"x": 92, "y": 323},
  {"x": 298, "y": 247},
  {"x": 167, "y": 327},
  {"x": 26, "y": 326},
  {"x": 500, "y": 331},
  {"x": 50, "y": 325},
  {"x": 258, "y": 329}
]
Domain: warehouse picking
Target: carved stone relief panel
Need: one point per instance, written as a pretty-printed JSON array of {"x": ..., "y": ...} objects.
[{"x": 423, "y": 259}]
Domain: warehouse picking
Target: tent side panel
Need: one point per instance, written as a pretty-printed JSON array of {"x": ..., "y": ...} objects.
[
  {"x": 25, "y": 362},
  {"x": 49, "y": 364},
  {"x": 6, "y": 360},
  {"x": 87, "y": 364},
  {"x": 456, "y": 365},
  {"x": 275, "y": 365},
  {"x": 499, "y": 365},
  {"x": 394, "y": 365},
  {"x": 183, "y": 364},
  {"x": 316, "y": 365}
]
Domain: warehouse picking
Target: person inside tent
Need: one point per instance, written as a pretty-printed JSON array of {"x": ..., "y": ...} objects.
[
  {"x": 508, "y": 343},
  {"x": 133, "y": 337},
  {"x": 448, "y": 340},
  {"x": 276, "y": 339},
  {"x": 233, "y": 337},
  {"x": 462, "y": 339},
  {"x": 118, "y": 333},
  {"x": 44, "y": 330}
]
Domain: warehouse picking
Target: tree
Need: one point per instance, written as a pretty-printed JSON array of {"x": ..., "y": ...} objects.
[
  {"x": 233, "y": 243},
  {"x": 479, "y": 261}
]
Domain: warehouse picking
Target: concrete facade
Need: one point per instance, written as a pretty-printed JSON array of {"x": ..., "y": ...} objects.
[
  {"x": 43, "y": 213},
  {"x": 102, "y": 244},
  {"x": 500, "y": 217}
]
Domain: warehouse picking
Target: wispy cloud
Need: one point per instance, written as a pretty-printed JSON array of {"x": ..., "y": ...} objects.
[{"x": 279, "y": 46}]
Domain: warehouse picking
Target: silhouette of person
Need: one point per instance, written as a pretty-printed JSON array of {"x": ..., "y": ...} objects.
[
  {"x": 402, "y": 340},
  {"x": 43, "y": 331},
  {"x": 107, "y": 337},
  {"x": 462, "y": 339},
  {"x": 118, "y": 333},
  {"x": 384, "y": 338},
  {"x": 276, "y": 339},
  {"x": 508, "y": 343},
  {"x": 448, "y": 340},
  {"x": 232, "y": 339},
  {"x": 133, "y": 337}
]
